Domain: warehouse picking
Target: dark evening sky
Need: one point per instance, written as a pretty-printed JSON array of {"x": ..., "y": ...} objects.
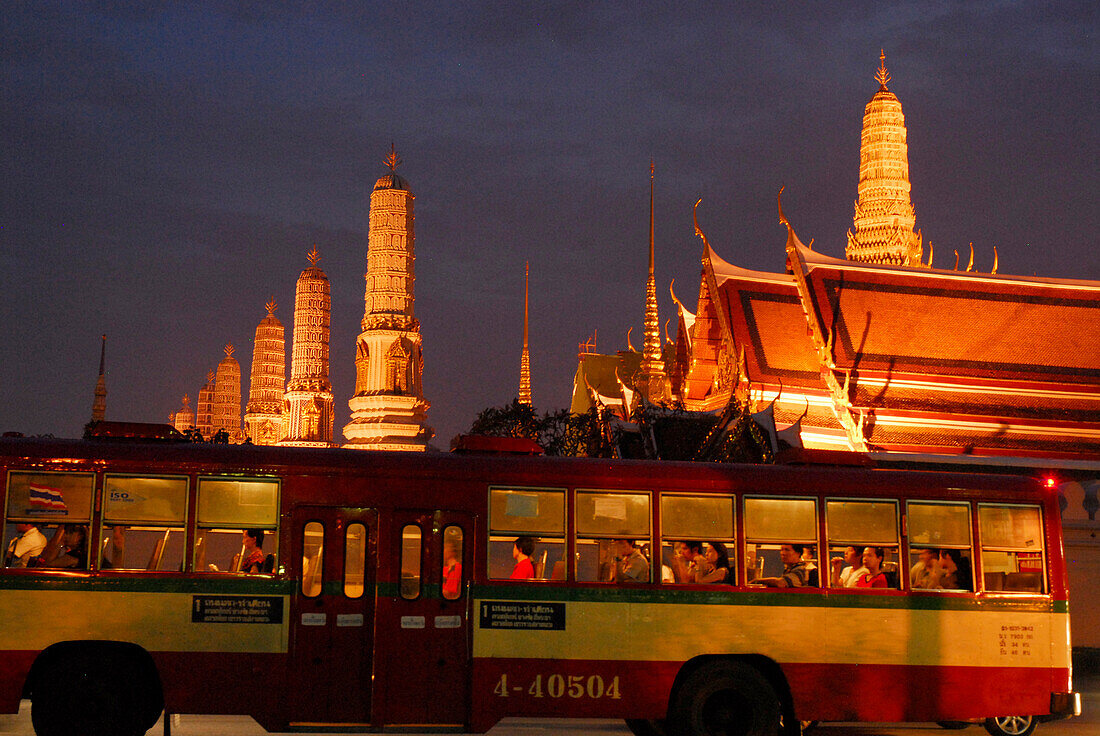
[{"x": 166, "y": 167}]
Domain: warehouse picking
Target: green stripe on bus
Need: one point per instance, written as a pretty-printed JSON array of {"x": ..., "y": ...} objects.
[
  {"x": 143, "y": 584},
  {"x": 930, "y": 602}
]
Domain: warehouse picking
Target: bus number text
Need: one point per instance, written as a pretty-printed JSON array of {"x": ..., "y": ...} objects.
[{"x": 560, "y": 686}]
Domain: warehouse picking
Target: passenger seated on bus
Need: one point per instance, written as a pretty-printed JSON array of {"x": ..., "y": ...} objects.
[
  {"x": 24, "y": 547},
  {"x": 452, "y": 571},
  {"x": 684, "y": 561},
  {"x": 117, "y": 558},
  {"x": 717, "y": 565},
  {"x": 874, "y": 577},
  {"x": 923, "y": 573},
  {"x": 795, "y": 572},
  {"x": 67, "y": 548},
  {"x": 846, "y": 577},
  {"x": 954, "y": 571},
  {"x": 253, "y": 558},
  {"x": 522, "y": 550},
  {"x": 631, "y": 566}
]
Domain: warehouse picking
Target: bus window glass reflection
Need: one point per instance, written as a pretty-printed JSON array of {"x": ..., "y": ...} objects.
[
  {"x": 692, "y": 526},
  {"x": 940, "y": 549},
  {"x": 605, "y": 523},
  {"x": 313, "y": 549},
  {"x": 781, "y": 541},
  {"x": 410, "y": 561},
  {"x": 355, "y": 559},
  {"x": 451, "y": 561},
  {"x": 1013, "y": 558},
  {"x": 852, "y": 526}
]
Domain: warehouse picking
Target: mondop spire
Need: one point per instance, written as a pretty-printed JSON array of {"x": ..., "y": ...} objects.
[
  {"x": 388, "y": 410},
  {"x": 884, "y": 216}
]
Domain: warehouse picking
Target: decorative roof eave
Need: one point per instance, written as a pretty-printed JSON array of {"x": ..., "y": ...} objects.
[
  {"x": 812, "y": 259},
  {"x": 687, "y": 319},
  {"x": 822, "y": 338}
]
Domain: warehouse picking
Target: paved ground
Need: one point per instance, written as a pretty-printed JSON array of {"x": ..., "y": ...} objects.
[{"x": 1087, "y": 725}]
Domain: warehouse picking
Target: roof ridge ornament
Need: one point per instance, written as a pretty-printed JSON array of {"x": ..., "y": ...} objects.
[
  {"x": 881, "y": 75},
  {"x": 314, "y": 256},
  {"x": 271, "y": 306},
  {"x": 229, "y": 350},
  {"x": 392, "y": 161}
]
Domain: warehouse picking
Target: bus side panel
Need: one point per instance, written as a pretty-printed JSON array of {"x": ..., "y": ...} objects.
[
  {"x": 12, "y": 676},
  {"x": 223, "y": 683},
  {"x": 583, "y": 688},
  {"x": 906, "y": 693}
]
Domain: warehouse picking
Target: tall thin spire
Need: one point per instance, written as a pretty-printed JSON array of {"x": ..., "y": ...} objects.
[
  {"x": 652, "y": 383},
  {"x": 99, "y": 404},
  {"x": 525, "y": 360}
]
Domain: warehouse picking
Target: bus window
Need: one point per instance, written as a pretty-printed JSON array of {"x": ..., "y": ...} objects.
[
  {"x": 781, "y": 541},
  {"x": 605, "y": 522},
  {"x": 689, "y": 525},
  {"x": 1012, "y": 548},
  {"x": 235, "y": 518},
  {"x": 143, "y": 523},
  {"x": 46, "y": 515},
  {"x": 940, "y": 555},
  {"x": 410, "y": 561},
  {"x": 451, "y": 574},
  {"x": 536, "y": 517},
  {"x": 851, "y": 527},
  {"x": 355, "y": 559},
  {"x": 313, "y": 548}
]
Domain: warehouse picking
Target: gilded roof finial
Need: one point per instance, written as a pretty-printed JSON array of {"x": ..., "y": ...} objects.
[
  {"x": 881, "y": 75},
  {"x": 271, "y": 306},
  {"x": 229, "y": 350},
  {"x": 314, "y": 256},
  {"x": 393, "y": 160}
]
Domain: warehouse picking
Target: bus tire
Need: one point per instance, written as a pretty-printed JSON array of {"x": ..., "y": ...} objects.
[
  {"x": 1011, "y": 725},
  {"x": 646, "y": 727},
  {"x": 725, "y": 697},
  {"x": 94, "y": 688}
]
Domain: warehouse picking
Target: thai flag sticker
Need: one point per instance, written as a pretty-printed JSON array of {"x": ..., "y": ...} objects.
[{"x": 44, "y": 498}]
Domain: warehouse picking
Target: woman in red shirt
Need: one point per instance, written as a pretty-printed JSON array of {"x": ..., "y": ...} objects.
[
  {"x": 874, "y": 577},
  {"x": 521, "y": 553}
]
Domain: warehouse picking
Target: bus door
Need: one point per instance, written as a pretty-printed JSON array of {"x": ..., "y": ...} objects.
[
  {"x": 425, "y": 629},
  {"x": 332, "y": 615}
]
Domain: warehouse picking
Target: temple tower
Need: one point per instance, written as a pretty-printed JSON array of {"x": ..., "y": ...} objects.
[
  {"x": 652, "y": 378},
  {"x": 184, "y": 419},
  {"x": 204, "y": 408},
  {"x": 308, "y": 397},
  {"x": 388, "y": 410},
  {"x": 227, "y": 397},
  {"x": 884, "y": 216},
  {"x": 263, "y": 415},
  {"x": 525, "y": 358},
  {"x": 99, "y": 403}
]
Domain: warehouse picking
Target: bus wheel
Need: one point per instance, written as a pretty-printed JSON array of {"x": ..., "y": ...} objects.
[
  {"x": 1010, "y": 725},
  {"x": 644, "y": 727},
  {"x": 725, "y": 699},
  {"x": 94, "y": 689}
]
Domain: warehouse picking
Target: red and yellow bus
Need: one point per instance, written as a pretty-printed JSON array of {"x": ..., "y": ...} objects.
[{"x": 380, "y": 594}]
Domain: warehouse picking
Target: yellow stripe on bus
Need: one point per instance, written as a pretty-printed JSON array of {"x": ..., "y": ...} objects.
[
  {"x": 156, "y": 621},
  {"x": 669, "y": 632}
]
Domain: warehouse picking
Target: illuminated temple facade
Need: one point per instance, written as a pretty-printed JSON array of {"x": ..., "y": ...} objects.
[
  {"x": 204, "y": 408},
  {"x": 263, "y": 415},
  {"x": 183, "y": 419},
  {"x": 388, "y": 409},
  {"x": 308, "y": 397}
]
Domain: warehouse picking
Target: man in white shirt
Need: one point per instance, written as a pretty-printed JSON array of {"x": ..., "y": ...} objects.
[{"x": 28, "y": 544}]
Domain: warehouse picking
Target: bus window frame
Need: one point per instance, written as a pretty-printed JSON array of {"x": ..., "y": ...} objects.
[
  {"x": 897, "y": 545},
  {"x": 815, "y": 543},
  {"x": 498, "y": 534},
  {"x": 731, "y": 544},
  {"x": 183, "y": 526},
  {"x": 419, "y": 562},
  {"x": 270, "y": 529},
  {"x": 576, "y": 536},
  {"x": 1044, "y": 578},
  {"x": 972, "y": 519}
]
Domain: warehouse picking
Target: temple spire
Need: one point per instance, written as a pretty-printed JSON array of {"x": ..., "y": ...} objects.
[
  {"x": 884, "y": 221},
  {"x": 881, "y": 75},
  {"x": 525, "y": 360},
  {"x": 99, "y": 404},
  {"x": 653, "y": 383}
]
